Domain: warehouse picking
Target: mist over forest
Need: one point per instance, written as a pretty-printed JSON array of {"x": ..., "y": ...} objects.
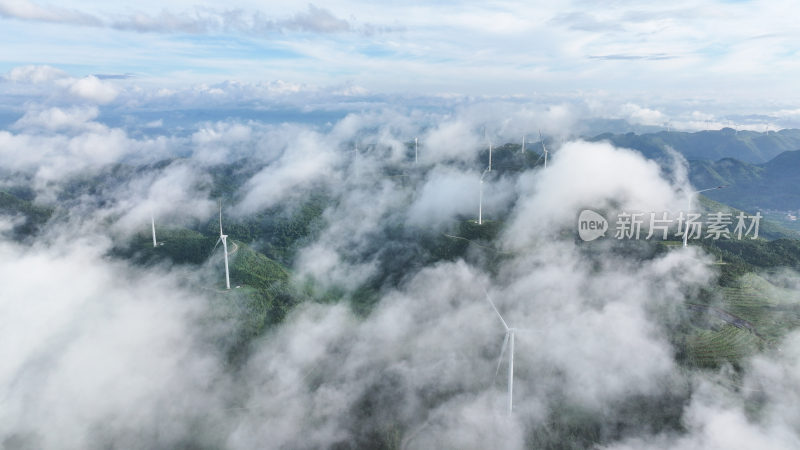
[
  {"x": 417, "y": 225},
  {"x": 358, "y": 315}
]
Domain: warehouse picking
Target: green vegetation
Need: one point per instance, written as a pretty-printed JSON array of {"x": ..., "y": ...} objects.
[
  {"x": 737, "y": 320},
  {"x": 759, "y": 168},
  {"x": 773, "y": 185},
  {"x": 767, "y": 229},
  {"x": 452, "y": 245},
  {"x": 261, "y": 295},
  {"x": 271, "y": 296},
  {"x": 176, "y": 245},
  {"x": 744, "y": 313},
  {"x": 771, "y": 309},
  {"x": 574, "y": 426},
  {"x": 280, "y": 232},
  {"x": 263, "y": 292},
  {"x": 737, "y": 258},
  {"x": 511, "y": 158},
  {"x": 741, "y": 315},
  {"x": 33, "y": 217},
  {"x": 710, "y": 348}
]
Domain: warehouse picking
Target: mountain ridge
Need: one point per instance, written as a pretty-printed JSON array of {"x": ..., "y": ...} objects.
[
  {"x": 773, "y": 185},
  {"x": 747, "y": 146}
]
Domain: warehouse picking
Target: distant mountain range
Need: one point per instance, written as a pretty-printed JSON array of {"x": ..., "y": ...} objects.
[
  {"x": 762, "y": 170},
  {"x": 773, "y": 185},
  {"x": 748, "y": 146}
]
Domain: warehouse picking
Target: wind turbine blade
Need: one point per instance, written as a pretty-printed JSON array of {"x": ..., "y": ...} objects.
[
  {"x": 544, "y": 149},
  {"x": 541, "y": 139},
  {"x": 220, "y": 217},
  {"x": 153, "y": 223},
  {"x": 490, "y": 156},
  {"x": 215, "y": 245},
  {"x": 511, "y": 373},
  {"x": 495, "y": 309},
  {"x": 527, "y": 330},
  {"x": 500, "y": 360}
]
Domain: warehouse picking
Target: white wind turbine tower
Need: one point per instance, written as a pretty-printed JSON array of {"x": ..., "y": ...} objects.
[
  {"x": 543, "y": 149},
  {"x": 523, "y": 145},
  {"x": 224, "y": 239},
  {"x": 153, "y": 224},
  {"x": 509, "y": 340},
  {"x": 480, "y": 199},
  {"x": 490, "y": 156}
]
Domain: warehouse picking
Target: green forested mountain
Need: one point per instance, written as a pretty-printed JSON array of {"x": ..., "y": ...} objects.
[
  {"x": 28, "y": 218},
  {"x": 722, "y": 326},
  {"x": 748, "y": 146},
  {"x": 772, "y": 185},
  {"x": 760, "y": 169}
]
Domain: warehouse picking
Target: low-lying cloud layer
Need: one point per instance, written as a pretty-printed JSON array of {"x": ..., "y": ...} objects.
[{"x": 102, "y": 352}]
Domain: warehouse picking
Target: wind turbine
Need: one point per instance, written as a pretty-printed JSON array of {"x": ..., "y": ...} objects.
[
  {"x": 480, "y": 199},
  {"x": 543, "y": 149},
  {"x": 224, "y": 239},
  {"x": 523, "y": 145},
  {"x": 153, "y": 224},
  {"x": 689, "y": 208},
  {"x": 509, "y": 340}
]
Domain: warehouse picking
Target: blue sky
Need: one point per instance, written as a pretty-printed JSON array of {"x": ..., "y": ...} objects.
[{"x": 717, "y": 58}]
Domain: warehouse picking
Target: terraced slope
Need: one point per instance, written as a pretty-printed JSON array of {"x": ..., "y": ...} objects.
[{"x": 752, "y": 314}]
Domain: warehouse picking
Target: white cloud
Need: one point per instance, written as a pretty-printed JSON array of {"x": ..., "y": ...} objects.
[
  {"x": 92, "y": 89},
  {"x": 57, "y": 157},
  {"x": 207, "y": 20},
  {"x": 588, "y": 175},
  {"x": 54, "y": 119},
  {"x": 197, "y": 20},
  {"x": 176, "y": 195},
  {"x": 92, "y": 338},
  {"x": 35, "y": 74},
  {"x": 305, "y": 162},
  {"x": 54, "y": 144},
  {"x": 27, "y": 10},
  {"x": 720, "y": 416},
  {"x": 514, "y": 48},
  {"x": 451, "y": 140},
  {"x": 644, "y": 116},
  {"x": 95, "y": 335},
  {"x": 446, "y": 194}
]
